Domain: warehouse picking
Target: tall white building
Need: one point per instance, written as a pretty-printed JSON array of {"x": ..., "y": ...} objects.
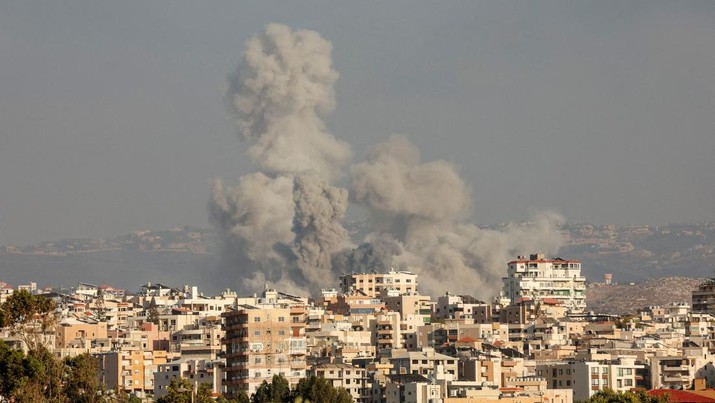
[{"x": 538, "y": 278}]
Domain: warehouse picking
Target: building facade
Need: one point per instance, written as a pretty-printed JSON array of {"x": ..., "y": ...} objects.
[
  {"x": 373, "y": 284},
  {"x": 261, "y": 343},
  {"x": 539, "y": 278}
]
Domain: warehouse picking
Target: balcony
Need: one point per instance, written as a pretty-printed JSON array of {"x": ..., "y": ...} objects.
[
  {"x": 675, "y": 368},
  {"x": 676, "y": 378}
]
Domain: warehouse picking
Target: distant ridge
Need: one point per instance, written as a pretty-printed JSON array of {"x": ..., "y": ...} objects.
[
  {"x": 630, "y": 253},
  {"x": 628, "y": 298}
]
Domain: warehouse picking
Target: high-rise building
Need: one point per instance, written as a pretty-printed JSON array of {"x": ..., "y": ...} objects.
[
  {"x": 539, "y": 278},
  {"x": 262, "y": 342}
]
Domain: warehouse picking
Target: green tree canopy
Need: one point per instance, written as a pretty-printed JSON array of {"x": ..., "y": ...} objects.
[
  {"x": 28, "y": 316},
  {"x": 320, "y": 390},
  {"x": 610, "y": 396},
  {"x": 180, "y": 391}
]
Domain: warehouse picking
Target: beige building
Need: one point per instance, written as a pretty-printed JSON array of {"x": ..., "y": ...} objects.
[
  {"x": 131, "y": 369},
  {"x": 425, "y": 362},
  {"x": 75, "y": 334},
  {"x": 679, "y": 371},
  {"x": 197, "y": 370},
  {"x": 353, "y": 379},
  {"x": 372, "y": 284},
  {"x": 261, "y": 343}
]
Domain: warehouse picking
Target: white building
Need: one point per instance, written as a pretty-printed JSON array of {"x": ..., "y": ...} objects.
[
  {"x": 588, "y": 377},
  {"x": 539, "y": 278}
]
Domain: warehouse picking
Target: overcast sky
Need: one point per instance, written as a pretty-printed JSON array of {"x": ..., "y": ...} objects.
[{"x": 112, "y": 116}]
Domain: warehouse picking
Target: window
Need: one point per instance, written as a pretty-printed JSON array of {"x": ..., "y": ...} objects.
[
  {"x": 594, "y": 382},
  {"x": 594, "y": 370},
  {"x": 628, "y": 382},
  {"x": 281, "y": 319},
  {"x": 257, "y": 319},
  {"x": 604, "y": 370}
]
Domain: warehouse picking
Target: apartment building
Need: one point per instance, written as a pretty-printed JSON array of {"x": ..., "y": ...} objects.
[
  {"x": 704, "y": 297},
  {"x": 450, "y": 306},
  {"x": 680, "y": 371},
  {"x": 130, "y": 368},
  {"x": 537, "y": 278},
  {"x": 197, "y": 370},
  {"x": 261, "y": 343},
  {"x": 425, "y": 362},
  {"x": 73, "y": 336},
  {"x": 373, "y": 284},
  {"x": 589, "y": 376},
  {"x": 353, "y": 379}
]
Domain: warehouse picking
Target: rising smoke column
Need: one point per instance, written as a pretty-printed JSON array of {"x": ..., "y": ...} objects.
[
  {"x": 284, "y": 223},
  {"x": 420, "y": 209}
]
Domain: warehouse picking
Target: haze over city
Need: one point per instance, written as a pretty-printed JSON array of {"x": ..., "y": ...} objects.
[{"x": 113, "y": 116}]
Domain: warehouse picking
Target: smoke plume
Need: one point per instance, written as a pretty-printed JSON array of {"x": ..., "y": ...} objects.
[
  {"x": 420, "y": 208},
  {"x": 283, "y": 225}
]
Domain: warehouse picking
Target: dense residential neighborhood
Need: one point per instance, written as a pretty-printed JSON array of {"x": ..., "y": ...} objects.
[{"x": 378, "y": 339}]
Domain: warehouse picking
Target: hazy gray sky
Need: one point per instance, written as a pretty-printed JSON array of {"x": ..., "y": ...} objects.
[{"x": 112, "y": 116}]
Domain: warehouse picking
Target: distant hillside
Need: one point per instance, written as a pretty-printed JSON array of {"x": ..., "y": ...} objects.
[
  {"x": 640, "y": 253},
  {"x": 189, "y": 255},
  {"x": 626, "y": 298}
]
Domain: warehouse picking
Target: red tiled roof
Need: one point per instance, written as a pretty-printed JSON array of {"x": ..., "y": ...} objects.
[
  {"x": 551, "y": 301},
  {"x": 680, "y": 396},
  {"x": 467, "y": 340}
]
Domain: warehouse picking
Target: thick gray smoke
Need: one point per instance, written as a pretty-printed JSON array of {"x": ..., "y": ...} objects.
[
  {"x": 283, "y": 226},
  {"x": 319, "y": 211},
  {"x": 421, "y": 208},
  {"x": 277, "y": 96}
]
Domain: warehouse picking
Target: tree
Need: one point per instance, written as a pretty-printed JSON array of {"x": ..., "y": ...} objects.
[
  {"x": 179, "y": 391},
  {"x": 28, "y": 316},
  {"x": 81, "y": 381},
  {"x": 204, "y": 393},
  {"x": 153, "y": 312},
  {"x": 610, "y": 396},
  {"x": 319, "y": 390},
  {"x": 276, "y": 391},
  {"x": 100, "y": 306},
  {"x": 12, "y": 370}
]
